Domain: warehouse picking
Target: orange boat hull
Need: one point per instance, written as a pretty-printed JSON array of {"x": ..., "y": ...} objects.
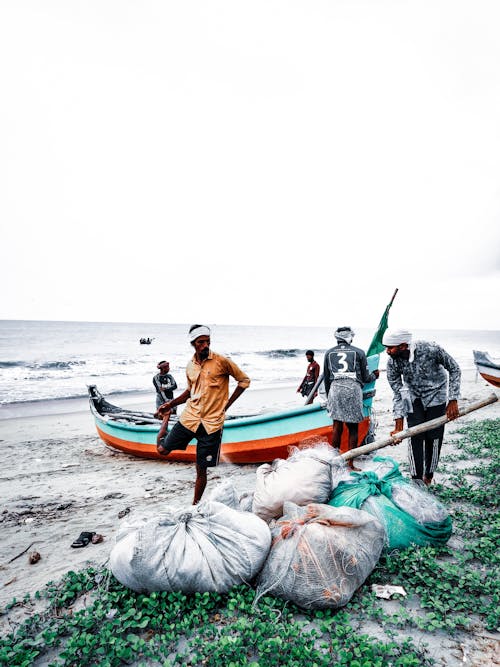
[{"x": 253, "y": 451}]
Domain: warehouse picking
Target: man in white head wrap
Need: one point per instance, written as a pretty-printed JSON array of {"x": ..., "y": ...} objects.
[
  {"x": 207, "y": 397},
  {"x": 425, "y": 381},
  {"x": 345, "y": 372}
]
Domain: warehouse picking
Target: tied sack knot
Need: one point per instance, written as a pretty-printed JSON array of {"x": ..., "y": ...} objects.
[{"x": 376, "y": 486}]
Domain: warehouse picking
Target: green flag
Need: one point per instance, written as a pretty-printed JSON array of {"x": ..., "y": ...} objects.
[{"x": 376, "y": 344}]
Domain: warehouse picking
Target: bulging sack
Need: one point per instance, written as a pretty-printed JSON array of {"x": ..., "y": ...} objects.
[
  {"x": 409, "y": 514},
  {"x": 211, "y": 547},
  {"x": 320, "y": 555},
  {"x": 305, "y": 477}
]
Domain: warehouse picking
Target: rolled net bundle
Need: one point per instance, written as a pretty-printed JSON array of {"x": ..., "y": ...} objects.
[
  {"x": 320, "y": 555},
  {"x": 305, "y": 477},
  {"x": 211, "y": 547},
  {"x": 410, "y": 515}
]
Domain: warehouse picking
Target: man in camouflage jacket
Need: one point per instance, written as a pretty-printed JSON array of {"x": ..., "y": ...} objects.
[{"x": 425, "y": 381}]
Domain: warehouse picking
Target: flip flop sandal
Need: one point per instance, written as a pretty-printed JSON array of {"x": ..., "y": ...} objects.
[{"x": 82, "y": 540}]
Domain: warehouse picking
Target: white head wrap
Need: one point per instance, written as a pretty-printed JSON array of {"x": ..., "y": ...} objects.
[
  {"x": 344, "y": 333},
  {"x": 199, "y": 331},
  {"x": 396, "y": 337}
]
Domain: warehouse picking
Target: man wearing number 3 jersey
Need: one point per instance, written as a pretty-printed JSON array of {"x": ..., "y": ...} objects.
[{"x": 345, "y": 373}]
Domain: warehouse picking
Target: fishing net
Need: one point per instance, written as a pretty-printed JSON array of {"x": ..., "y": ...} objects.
[
  {"x": 304, "y": 477},
  {"x": 211, "y": 547},
  {"x": 409, "y": 514},
  {"x": 320, "y": 555}
]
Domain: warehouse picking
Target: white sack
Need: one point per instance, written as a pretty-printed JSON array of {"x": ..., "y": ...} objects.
[
  {"x": 305, "y": 477},
  {"x": 211, "y": 547}
]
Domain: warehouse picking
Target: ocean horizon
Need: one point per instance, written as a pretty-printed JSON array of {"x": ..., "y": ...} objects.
[{"x": 49, "y": 360}]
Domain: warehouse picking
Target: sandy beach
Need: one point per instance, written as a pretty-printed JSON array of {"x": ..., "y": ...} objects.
[{"x": 58, "y": 479}]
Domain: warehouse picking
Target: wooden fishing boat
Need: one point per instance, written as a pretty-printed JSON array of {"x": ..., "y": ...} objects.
[
  {"x": 488, "y": 368},
  {"x": 255, "y": 439}
]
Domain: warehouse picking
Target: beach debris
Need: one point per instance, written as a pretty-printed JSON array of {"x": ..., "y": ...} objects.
[
  {"x": 11, "y": 581},
  {"x": 20, "y": 554},
  {"x": 387, "y": 591},
  {"x": 123, "y": 513},
  {"x": 34, "y": 557},
  {"x": 97, "y": 537},
  {"x": 83, "y": 539}
]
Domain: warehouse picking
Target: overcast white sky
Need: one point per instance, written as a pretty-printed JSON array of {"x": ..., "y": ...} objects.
[{"x": 258, "y": 162}]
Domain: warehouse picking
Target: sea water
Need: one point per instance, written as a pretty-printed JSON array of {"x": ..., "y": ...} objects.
[{"x": 55, "y": 361}]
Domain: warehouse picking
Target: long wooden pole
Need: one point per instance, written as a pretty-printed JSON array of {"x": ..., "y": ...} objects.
[{"x": 416, "y": 430}]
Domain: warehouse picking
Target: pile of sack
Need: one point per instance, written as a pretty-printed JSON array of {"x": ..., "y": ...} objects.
[{"x": 311, "y": 532}]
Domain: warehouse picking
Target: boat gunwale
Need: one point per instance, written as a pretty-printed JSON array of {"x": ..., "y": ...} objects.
[
  {"x": 484, "y": 359},
  {"x": 230, "y": 423}
]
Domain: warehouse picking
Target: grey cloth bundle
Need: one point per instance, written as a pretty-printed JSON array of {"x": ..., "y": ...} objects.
[{"x": 210, "y": 547}]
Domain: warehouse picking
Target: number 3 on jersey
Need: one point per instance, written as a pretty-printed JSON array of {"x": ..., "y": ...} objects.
[{"x": 343, "y": 362}]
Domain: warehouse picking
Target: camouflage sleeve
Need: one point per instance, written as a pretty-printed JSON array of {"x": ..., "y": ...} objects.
[
  {"x": 395, "y": 380},
  {"x": 447, "y": 361}
]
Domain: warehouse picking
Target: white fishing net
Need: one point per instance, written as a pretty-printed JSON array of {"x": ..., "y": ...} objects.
[
  {"x": 419, "y": 503},
  {"x": 320, "y": 555}
]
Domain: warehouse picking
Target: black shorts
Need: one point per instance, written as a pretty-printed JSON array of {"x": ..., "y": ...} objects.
[{"x": 207, "y": 444}]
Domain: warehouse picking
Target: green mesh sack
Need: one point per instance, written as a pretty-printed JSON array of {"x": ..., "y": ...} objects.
[{"x": 409, "y": 514}]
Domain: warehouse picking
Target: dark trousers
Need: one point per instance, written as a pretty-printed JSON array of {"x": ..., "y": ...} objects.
[{"x": 424, "y": 450}]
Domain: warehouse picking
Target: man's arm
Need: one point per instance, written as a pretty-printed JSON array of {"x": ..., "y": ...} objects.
[
  {"x": 366, "y": 376},
  {"x": 241, "y": 378},
  {"x": 234, "y": 396},
  {"x": 168, "y": 405},
  {"x": 395, "y": 380},
  {"x": 171, "y": 384},
  {"x": 326, "y": 374}
]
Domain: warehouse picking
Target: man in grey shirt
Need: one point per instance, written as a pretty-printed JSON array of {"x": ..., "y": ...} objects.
[
  {"x": 425, "y": 381},
  {"x": 164, "y": 384}
]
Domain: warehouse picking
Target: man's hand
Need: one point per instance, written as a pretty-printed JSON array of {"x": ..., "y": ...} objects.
[
  {"x": 398, "y": 426},
  {"x": 452, "y": 410},
  {"x": 163, "y": 409},
  {"x": 376, "y": 372}
]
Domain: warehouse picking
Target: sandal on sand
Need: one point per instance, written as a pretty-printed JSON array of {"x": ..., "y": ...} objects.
[
  {"x": 83, "y": 539},
  {"x": 97, "y": 538}
]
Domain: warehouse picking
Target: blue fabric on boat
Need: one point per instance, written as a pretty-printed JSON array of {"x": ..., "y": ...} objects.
[{"x": 402, "y": 528}]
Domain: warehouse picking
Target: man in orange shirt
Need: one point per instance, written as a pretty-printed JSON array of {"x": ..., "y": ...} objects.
[{"x": 208, "y": 399}]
